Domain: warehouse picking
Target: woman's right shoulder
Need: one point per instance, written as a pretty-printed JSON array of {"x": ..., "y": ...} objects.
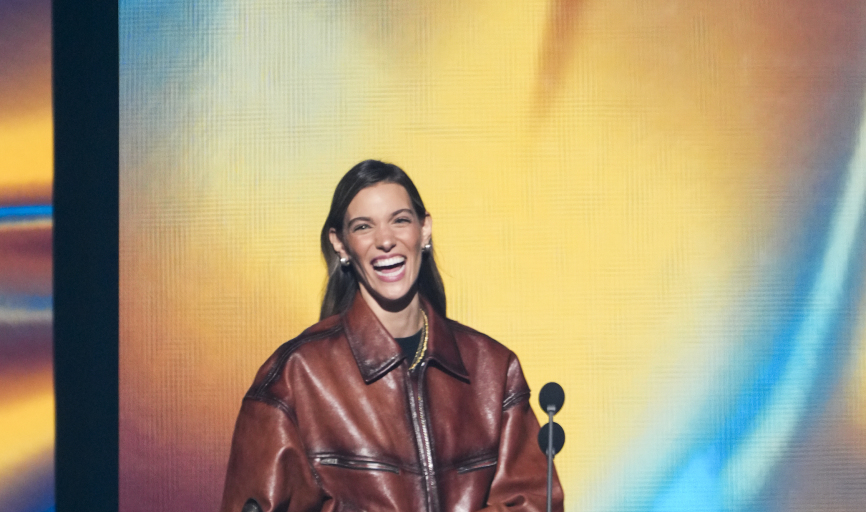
[{"x": 328, "y": 329}]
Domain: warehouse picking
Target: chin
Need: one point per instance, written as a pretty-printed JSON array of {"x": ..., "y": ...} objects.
[
  {"x": 396, "y": 296},
  {"x": 392, "y": 297}
]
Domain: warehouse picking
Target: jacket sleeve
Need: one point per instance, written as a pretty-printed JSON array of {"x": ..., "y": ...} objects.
[
  {"x": 268, "y": 467},
  {"x": 520, "y": 481}
]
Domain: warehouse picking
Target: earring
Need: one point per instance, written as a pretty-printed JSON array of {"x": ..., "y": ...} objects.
[
  {"x": 428, "y": 247},
  {"x": 344, "y": 261}
]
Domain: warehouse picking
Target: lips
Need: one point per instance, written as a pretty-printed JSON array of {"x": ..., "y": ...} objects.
[
  {"x": 389, "y": 268},
  {"x": 389, "y": 264}
]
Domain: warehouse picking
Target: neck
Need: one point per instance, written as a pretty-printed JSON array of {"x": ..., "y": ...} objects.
[{"x": 400, "y": 322}]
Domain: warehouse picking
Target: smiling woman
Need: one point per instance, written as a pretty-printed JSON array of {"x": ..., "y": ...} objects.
[
  {"x": 375, "y": 210},
  {"x": 383, "y": 244},
  {"x": 381, "y": 234},
  {"x": 386, "y": 404}
]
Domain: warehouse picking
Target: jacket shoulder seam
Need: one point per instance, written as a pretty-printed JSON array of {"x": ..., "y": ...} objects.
[
  {"x": 274, "y": 402},
  {"x": 289, "y": 348},
  {"x": 515, "y": 398},
  {"x": 457, "y": 327}
]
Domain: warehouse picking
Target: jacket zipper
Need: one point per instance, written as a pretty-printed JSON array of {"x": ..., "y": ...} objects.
[{"x": 426, "y": 448}]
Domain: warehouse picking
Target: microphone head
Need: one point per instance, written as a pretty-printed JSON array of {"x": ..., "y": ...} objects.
[
  {"x": 551, "y": 397},
  {"x": 558, "y": 437}
]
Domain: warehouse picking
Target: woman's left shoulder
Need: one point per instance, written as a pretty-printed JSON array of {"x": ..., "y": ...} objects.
[
  {"x": 494, "y": 362},
  {"x": 467, "y": 337}
]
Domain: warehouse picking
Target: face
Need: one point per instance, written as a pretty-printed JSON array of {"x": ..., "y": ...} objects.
[{"x": 383, "y": 238}]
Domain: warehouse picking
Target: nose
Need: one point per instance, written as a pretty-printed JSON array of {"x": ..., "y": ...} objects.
[{"x": 385, "y": 239}]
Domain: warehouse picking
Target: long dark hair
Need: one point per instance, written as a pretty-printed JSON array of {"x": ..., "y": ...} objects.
[{"x": 342, "y": 282}]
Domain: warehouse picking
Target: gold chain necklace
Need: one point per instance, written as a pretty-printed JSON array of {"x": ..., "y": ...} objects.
[{"x": 422, "y": 347}]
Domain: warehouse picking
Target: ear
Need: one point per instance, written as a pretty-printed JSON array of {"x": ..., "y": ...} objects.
[
  {"x": 337, "y": 244},
  {"x": 427, "y": 230}
]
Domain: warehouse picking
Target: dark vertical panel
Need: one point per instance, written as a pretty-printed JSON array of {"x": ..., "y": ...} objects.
[{"x": 85, "y": 82}]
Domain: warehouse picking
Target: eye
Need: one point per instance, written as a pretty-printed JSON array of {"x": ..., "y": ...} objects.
[
  {"x": 360, "y": 227},
  {"x": 403, "y": 220}
]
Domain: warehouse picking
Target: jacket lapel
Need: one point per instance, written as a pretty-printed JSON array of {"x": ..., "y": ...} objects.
[
  {"x": 441, "y": 345},
  {"x": 374, "y": 349},
  {"x": 376, "y": 352}
]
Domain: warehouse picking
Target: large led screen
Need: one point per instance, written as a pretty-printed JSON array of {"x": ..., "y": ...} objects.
[{"x": 658, "y": 204}]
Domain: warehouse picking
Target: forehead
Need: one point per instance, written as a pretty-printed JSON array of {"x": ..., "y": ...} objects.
[{"x": 379, "y": 199}]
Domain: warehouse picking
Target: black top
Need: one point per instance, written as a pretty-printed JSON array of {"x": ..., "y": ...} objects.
[{"x": 410, "y": 345}]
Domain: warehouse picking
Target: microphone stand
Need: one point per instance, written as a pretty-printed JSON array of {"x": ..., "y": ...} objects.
[
  {"x": 551, "y": 399},
  {"x": 551, "y": 409}
]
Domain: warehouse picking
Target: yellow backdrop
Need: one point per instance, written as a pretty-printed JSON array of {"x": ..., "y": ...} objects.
[{"x": 632, "y": 195}]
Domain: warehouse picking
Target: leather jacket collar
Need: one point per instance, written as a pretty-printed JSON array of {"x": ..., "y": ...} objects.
[{"x": 376, "y": 352}]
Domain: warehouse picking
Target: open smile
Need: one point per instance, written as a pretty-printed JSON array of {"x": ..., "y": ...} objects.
[{"x": 390, "y": 268}]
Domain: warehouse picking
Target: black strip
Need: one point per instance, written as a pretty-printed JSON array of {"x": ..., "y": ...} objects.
[{"x": 85, "y": 91}]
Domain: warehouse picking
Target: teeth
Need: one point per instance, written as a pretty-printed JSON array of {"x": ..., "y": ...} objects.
[{"x": 389, "y": 261}]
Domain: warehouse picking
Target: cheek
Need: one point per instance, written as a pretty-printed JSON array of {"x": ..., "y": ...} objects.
[
  {"x": 355, "y": 246},
  {"x": 413, "y": 240}
]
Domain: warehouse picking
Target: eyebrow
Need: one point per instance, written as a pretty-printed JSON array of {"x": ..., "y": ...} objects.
[
  {"x": 402, "y": 210},
  {"x": 368, "y": 219},
  {"x": 358, "y": 219}
]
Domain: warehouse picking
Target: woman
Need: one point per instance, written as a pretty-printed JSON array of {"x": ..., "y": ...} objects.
[{"x": 386, "y": 404}]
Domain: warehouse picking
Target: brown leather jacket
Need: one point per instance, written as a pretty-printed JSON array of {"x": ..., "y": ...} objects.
[{"x": 336, "y": 421}]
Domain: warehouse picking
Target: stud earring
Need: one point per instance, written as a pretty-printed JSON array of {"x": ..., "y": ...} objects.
[
  {"x": 344, "y": 261},
  {"x": 428, "y": 247}
]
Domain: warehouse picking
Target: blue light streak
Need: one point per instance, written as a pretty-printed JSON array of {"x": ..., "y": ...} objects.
[
  {"x": 727, "y": 473},
  {"x": 26, "y": 212}
]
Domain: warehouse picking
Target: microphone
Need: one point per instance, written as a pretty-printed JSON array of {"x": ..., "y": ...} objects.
[
  {"x": 551, "y": 397},
  {"x": 551, "y": 437},
  {"x": 558, "y": 437}
]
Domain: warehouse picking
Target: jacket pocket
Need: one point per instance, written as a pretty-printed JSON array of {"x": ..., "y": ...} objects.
[
  {"x": 477, "y": 463},
  {"x": 355, "y": 463}
]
